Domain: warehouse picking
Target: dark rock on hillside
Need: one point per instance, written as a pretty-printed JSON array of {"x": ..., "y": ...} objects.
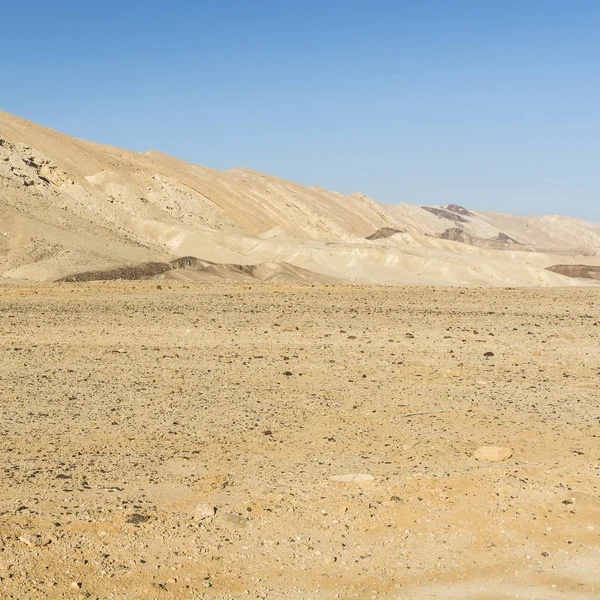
[
  {"x": 459, "y": 210},
  {"x": 455, "y": 234},
  {"x": 384, "y": 232},
  {"x": 506, "y": 239},
  {"x": 579, "y": 271},
  {"x": 445, "y": 214}
]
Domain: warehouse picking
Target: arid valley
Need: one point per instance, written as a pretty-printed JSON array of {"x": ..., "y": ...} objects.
[
  {"x": 300, "y": 300},
  {"x": 168, "y": 439}
]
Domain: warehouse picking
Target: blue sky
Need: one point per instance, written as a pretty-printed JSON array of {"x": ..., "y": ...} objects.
[{"x": 487, "y": 103}]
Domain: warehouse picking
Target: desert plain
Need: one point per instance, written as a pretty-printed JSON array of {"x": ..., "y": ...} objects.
[{"x": 172, "y": 439}]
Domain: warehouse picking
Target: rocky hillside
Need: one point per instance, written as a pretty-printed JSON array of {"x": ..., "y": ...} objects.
[{"x": 70, "y": 207}]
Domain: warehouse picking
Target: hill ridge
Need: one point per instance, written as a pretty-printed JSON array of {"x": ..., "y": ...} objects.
[{"x": 69, "y": 205}]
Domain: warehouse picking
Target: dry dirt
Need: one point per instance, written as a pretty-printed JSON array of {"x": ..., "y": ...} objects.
[{"x": 169, "y": 440}]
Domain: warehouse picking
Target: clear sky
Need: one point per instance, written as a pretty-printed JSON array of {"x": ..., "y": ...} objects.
[{"x": 493, "y": 104}]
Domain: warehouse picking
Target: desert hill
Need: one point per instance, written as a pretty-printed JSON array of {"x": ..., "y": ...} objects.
[{"x": 72, "y": 209}]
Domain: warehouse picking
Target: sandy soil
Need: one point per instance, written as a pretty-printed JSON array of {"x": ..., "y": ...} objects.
[{"x": 166, "y": 440}]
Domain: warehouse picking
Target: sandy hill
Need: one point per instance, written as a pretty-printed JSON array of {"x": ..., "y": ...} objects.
[{"x": 72, "y": 209}]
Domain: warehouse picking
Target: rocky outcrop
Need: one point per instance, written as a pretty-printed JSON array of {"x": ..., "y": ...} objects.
[
  {"x": 455, "y": 234},
  {"x": 459, "y": 210},
  {"x": 384, "y": 232},
  {"x": 445, "y": 214},
  {"x": 506, "y": 239}
]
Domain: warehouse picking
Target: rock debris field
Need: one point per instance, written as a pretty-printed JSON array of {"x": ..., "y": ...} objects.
[{"x": 173, "y": 440}]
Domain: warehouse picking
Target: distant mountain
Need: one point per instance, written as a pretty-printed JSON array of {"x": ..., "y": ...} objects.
[{"x": 71, "y": 209}]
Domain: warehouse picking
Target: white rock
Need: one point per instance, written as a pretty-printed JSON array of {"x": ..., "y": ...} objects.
[
  {"x": 204, "y": 511},
  {"x": 493, "y": 453}
]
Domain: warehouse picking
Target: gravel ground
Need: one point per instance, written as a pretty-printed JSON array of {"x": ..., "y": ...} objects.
[{"x": 168, "y": 440}]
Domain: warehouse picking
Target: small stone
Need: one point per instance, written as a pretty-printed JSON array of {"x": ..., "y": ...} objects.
[
  {"x": 32, "y": 540},
  {"x": 453, "y": 373},
  {"x": 493, "y": 453},
  {"x": 329, "y": 560},
  {"x": 76, "y": 585},
  {"x": 410, "y": 336},
  {"x": 489, "y": 354},
  {"x": 352, "y": 478},
  {"x": 204, "y": 511},
  {"x": 136, "y": 519},
  {"x": 288, "y": 373},
  {"x": 171, "y": 580}
]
